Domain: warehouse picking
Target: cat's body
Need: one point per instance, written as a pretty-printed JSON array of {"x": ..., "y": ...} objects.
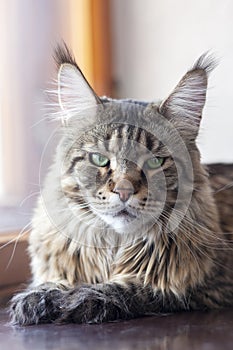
[
  {"x": 127, "y": 223},
  {"x": 221, "y": 181}
]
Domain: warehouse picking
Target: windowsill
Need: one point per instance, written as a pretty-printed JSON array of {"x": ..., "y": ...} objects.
[{"x": 14, "y": 260}]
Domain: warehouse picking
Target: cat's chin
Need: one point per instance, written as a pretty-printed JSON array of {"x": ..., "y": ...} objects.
[{"x": 123, "y": 222}]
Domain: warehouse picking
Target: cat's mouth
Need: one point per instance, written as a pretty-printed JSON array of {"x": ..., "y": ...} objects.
[
  {"x": 120, "y": 220},
  {"x": 124, "y": 214}
]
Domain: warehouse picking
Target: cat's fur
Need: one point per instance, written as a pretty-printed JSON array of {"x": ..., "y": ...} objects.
[{"x": 97, "y": 255}]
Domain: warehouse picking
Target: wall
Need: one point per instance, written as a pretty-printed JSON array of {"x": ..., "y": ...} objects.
[{"x": 155, "y": 42}]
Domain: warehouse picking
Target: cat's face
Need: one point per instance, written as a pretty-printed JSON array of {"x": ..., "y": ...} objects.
[
  {"x": 129, "y": 163},
  {"x": 125, "y": 172},
  {"x": 123, "y": 181},
  {"x": 126, "y": 191}
]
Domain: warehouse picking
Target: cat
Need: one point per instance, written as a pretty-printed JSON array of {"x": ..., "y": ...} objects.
[{"x": 128, "y": 223}]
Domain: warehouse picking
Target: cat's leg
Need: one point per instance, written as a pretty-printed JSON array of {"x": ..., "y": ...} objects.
[
  {"x": 115, "y": 301},
  {"x": 41, "y": 304},
  {"x": 90, "y": 303},
  {"x": 214, "y": 294}
]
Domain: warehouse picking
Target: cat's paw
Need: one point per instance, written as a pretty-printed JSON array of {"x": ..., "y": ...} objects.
[
  {"x": 36, "y": 306},
  {"x": 91, "y": 305}
]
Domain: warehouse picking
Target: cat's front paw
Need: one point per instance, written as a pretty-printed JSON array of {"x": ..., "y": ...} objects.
[
  {"x": 91, "y": 305},
  {"x": 36, "y": 306}
]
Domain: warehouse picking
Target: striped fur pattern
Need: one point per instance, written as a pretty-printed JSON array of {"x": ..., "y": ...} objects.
[{"x": 127, "y": 223}]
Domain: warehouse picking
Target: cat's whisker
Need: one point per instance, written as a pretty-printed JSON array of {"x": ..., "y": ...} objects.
[
  {"x": 42, "y": 120},
  {"x": 19, "y": 235},
  {"x": 16, "y": 240},
  {"x": 77, "y": 206},
  {"x": 226, "y": 187},
  {"x": 183, "y": 216},
  {"x": 173, "y": 235},
  {"x": 28, "y": 197},
  {"x": 201, "y": 243},
  {"x": 85, "y": 215},
  {"x": 204, "y": 231}
]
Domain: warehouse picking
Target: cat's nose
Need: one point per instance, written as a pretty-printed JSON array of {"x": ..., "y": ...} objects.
[{"x": 124, "y": 188}]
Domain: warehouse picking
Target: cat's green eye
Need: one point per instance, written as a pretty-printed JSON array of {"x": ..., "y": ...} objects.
[
  {"x": 98, "y": 159},
  {"x": 154, "y": 163}
]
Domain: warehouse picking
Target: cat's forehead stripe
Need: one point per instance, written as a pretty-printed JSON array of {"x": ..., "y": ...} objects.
[{"x": 121, "y": 139}]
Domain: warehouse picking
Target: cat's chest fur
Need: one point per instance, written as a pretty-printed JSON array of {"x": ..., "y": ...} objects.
[{"x": 156, "y": 260}]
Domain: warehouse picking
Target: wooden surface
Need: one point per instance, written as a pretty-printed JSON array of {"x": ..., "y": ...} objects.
[
  {"x": 14, "y": 263},
  {"x": 184, "y": 331}
]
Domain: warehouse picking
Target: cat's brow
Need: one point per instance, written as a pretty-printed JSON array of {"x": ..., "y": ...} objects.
[{"x": 93, "y": 148}]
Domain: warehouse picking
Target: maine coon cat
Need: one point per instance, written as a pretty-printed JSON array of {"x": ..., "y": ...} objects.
[{"x": 129, "y": 222}]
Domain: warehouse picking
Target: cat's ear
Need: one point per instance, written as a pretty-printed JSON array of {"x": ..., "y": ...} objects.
[
  {"x": 75, "y": 95},
  {"x": 187, "y": 100}
]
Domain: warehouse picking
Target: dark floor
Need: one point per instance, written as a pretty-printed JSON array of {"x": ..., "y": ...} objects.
[{"x": 184, "y": 331}]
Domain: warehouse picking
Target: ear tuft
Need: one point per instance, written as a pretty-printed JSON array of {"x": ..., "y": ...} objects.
[
  {"x": 76, "y": 97},
  {"x": 188, "y": 98},
  {"x": 62, "y": 55},
  {"x": 206, "y": 62}
]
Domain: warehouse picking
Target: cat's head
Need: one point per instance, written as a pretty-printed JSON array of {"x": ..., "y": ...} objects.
[{"x": 130, "y": 163}]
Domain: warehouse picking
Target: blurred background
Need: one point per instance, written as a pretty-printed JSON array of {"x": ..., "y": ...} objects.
[{"x": 130, "y": 48}]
